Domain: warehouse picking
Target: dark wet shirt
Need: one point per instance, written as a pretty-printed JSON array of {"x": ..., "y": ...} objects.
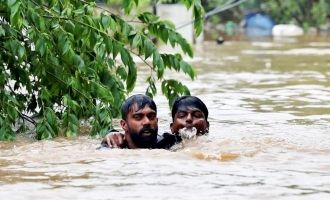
[{"x": 164, "y": 141}]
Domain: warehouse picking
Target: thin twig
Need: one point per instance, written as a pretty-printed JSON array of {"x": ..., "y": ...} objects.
[{"x": 27, "y": 118}]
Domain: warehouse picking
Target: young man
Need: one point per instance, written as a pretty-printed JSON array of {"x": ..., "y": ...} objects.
[
  {"x": 187, "y": 112},
  {"x": 139, "y": 122}
]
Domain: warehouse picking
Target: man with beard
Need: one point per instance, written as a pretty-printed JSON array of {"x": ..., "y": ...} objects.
[{"x": 140, "y": 123}]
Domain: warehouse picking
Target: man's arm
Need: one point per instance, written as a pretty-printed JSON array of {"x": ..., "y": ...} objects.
[{"x": 114, "y": 139}]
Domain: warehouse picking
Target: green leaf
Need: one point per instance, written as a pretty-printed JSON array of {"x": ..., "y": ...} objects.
[
  {"x": 12, "y": 113},
  {"x": 158, "y": 61},
  {"x": 104, "y": 93},
  {"x": 78, "y": 61},
  {"x": 116, "y": 49},
  {"x": 164, "y": 35},
  {"x": 105, "y": 20},
  {"x": 172, "y": 89},
  {"x": 136, "y": 2},
  {"x": 11, "y": 2},
  {"x": 148, "y": 48},
  {"x": 113, "y": 23},
  {"x": 188, "y": 3},
  {"x": 108, "y": 44},
  {"x": 2, "y": 80},
  {"x": 74, "y": 120},
  {"x": 79, "y": 11},
  {"x": 131, "y": 77},
  {"x": 198, "y": 14},
  {"x": 100, "y": 51},
  {"x": 160, "y": 69},
  {"x": 172, "y": 38},
  {"x": 64, "y": 45},
  {"x": 151, "y": 90},
  {"x": 6, "y": 134},
  {"x": 71, "y": 124},
  {"x": 136, "y": 41},
  {"x": 2, "y": 31},
  {"x": 186, "y": 68},
  {"x": 124, "y": 56},
  {"x": 185, "y": 46},
  {"x": 40, "y": 46},
  {"x": 127, "y": 5},
  {"x": 168, "y": 24},
  {"x": 14, "y": 8},
  {"x": 148, "y": 17},
  {"x": 45, "y": 95},
  {"x": 122, "y": 72},
  {"x": 40, "y": 130},
  {"x": 21, "y": 52},
  {"x": 125, "y": 29}
]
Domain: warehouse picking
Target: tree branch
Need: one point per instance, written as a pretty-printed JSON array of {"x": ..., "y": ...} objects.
[{"x": 27, "y": 118}]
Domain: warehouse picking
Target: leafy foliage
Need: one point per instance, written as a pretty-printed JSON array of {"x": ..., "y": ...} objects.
[{"x": 66, "y": 60}]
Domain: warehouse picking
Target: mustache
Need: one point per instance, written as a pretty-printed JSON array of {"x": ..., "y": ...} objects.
[{"x": 148, "y": 129}]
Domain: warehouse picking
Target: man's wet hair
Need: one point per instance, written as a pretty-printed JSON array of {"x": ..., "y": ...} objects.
[
  {"x": 189, "y": 101},
  {"x": 140, "y": 100}
]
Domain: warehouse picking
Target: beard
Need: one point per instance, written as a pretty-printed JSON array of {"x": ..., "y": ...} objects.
[{"x": 144, "y": 141}]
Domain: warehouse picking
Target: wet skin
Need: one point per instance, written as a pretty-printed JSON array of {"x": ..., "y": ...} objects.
[
  {"x": 141, "y": 127},
  {"x": 188, "y": 117}
]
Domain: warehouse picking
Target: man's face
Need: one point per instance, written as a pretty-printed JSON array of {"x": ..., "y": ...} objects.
[
  {"x": 142, "y": 126},
  {"x": 189, "y": 117}
]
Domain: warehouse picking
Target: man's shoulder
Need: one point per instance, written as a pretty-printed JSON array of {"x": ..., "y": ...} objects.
[{"x": 166, "y": 140}]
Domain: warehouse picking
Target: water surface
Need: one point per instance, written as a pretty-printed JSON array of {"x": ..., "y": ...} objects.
[{"x": 269, "y": 105}]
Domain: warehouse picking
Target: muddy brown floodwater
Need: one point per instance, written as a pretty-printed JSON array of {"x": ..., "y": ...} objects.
[{"x": 269, "y": 104}]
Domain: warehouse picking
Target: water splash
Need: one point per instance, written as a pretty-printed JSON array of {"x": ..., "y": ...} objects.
[{"x": 188, "y": 133}]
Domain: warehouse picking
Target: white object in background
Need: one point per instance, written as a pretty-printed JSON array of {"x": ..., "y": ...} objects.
[{"x": 287, "y": 30}]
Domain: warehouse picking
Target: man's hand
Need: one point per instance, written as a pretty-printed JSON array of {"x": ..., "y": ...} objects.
[{"x": 114, "y": 140}]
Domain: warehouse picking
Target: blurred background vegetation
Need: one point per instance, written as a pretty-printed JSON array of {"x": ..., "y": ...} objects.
[
  {"x": 304, "y": 13},
  {"x": 313, "y": 16}
]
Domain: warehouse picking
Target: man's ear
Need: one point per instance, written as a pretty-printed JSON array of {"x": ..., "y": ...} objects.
[
  {"x": 171, "y": 127},
  {"x": 208, "y": 126},
  {"x": 123, "y": 124}
]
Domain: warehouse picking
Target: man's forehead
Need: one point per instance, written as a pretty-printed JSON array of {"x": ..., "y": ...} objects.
[
  {"x": 135, "y": 108},
  {"x": 189, "y": 108}
]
